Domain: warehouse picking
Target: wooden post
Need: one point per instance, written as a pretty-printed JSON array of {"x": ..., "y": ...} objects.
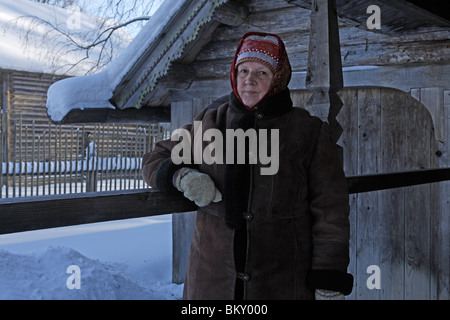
[
  {"x": 5, "y": 117},
  {"x": 324, "y": 73},
  {"x": 183, "y": 224},
  {"x": 5, "y": 135}
]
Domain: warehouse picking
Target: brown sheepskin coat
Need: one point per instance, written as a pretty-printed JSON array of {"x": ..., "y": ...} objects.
[{"x": 291, "y": 235}]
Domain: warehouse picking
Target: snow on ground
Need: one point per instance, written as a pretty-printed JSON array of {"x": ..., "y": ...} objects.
[{"x": 118, "y": 260}]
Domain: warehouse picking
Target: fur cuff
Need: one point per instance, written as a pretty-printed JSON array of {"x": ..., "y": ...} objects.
[
  {"x": 164, "y": 176},
  {"x": 330, "y": 280}
]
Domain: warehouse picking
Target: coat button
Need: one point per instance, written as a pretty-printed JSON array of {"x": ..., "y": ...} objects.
[
  {"x": 248, "y": 216},
  {"x": 260, "y": 115},
  {"x": 244, "y": 276}
]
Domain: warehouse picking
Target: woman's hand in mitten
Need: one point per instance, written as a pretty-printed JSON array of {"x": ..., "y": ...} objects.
[
  {"x": 321, "y": 294},
  {"x": 196, "y": 186}
]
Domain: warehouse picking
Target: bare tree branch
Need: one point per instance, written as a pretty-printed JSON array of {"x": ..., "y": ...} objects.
[
  {"x": 94, "y": 48},
  {"x": 109, "y": 32}
]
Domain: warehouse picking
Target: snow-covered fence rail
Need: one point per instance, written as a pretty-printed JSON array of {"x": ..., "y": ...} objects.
[{"x": 61, "y": 159}]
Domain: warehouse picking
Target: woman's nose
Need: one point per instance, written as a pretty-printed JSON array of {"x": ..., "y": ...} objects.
[{"x": 250, "y": 79}]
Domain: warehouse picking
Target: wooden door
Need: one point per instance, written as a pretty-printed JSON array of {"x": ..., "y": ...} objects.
[{"x": 402, "y": 233}]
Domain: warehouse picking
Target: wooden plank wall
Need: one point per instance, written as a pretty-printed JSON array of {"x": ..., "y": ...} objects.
[
  {"x": 402, "y": 231},
  {"x": 437, "y": 101},
  {"x": 24, "y": 96},
  {"x": 28, "y": 96}
]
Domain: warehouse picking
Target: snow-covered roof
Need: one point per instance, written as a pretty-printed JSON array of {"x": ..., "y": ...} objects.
[
  {"x": 147, "y": 58},
  {"x": 27, "y": 45}
]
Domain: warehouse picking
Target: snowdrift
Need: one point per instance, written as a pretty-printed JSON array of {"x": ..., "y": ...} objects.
[{"x": 119, "y": 260}]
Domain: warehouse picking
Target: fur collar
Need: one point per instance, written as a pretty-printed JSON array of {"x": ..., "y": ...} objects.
[{"x": 274, "y": 105}]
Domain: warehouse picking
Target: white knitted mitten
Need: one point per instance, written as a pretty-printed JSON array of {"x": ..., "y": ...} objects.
[
  {"x": 196, "y": 186},
  {"x": 321, "y": 294}
]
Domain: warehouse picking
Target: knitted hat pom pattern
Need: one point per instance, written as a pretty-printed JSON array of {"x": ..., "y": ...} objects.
[{"x": 261, "y": 49}]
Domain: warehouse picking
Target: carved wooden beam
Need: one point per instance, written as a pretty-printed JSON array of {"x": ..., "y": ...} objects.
[
  {"x": 231, "y": 13},
  {"x": 144, "y": 115},
  {"x": 324, "y": 72}
]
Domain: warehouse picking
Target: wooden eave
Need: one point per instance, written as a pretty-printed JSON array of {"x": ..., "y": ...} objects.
[
  {"x": 398, "y": 16},
  {"x": 175, "y": 43}
]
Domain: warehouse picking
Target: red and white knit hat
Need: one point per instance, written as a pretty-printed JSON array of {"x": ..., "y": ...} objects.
[
  {"x": 265, "y": 48},
  {"x": 260, "y": 48}
]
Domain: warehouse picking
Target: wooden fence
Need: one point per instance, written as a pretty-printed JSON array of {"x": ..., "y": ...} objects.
[{"x": 62, "y": 159}]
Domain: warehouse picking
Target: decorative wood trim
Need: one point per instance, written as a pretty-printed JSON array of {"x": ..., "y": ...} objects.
[{"x": 144, "y": 115}]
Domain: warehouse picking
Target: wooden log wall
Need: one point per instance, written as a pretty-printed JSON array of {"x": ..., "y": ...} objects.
[
  {"x": 359, "y": 46},
  {"x": 24, "y": 97}
]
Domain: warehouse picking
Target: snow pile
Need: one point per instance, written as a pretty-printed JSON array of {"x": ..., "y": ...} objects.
[
  {"x": 43, "y": 276},
  {"x": 121, "y": 260}
]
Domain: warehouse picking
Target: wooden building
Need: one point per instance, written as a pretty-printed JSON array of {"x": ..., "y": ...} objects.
[
  {"x": 23, "y": 98},
  {"x": 394, "y": 117}
]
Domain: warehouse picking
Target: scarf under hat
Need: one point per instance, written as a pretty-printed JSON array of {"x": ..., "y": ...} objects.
[{"x": 264, "y": 48}]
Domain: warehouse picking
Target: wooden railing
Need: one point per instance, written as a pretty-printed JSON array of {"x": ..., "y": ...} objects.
[
  {"x": 42, "y": 212},
  {"x": 383, "y": 181}
]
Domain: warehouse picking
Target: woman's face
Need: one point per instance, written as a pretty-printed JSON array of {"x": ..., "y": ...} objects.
[{"x": 254, "y": 80}]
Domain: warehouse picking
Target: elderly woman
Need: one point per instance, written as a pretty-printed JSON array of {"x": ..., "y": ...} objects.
[{"x": 278, "y": 236}]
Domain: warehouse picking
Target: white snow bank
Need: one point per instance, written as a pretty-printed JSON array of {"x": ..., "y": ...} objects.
[
  {"x": 43, "y": 276},
  {"x": 118, "y": 260},
  {"x": 92, "y": 91}
]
